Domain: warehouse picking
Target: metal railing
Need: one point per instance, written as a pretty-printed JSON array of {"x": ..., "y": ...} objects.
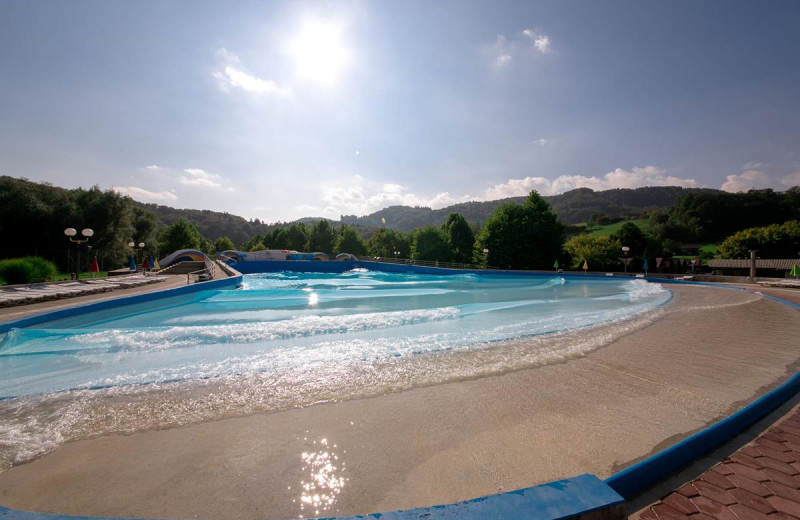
[
  {"x": 424, "y": 263},
  {"x": 203, "y": 275}
]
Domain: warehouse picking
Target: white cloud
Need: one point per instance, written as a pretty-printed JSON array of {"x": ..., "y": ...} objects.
[
  {"x": 541, "y": 42},
  {"x": 198, "y": 177},
  {"x": 755, "y": 166},
  {"x": 618, "y": 178},
  {"x": 502, "y": 60},
  {"x": 753, "y": 177},
  {"x": 358, "y": 199},
  {"x": 748, "y": 180},
  {"x": 235, "y": 76},
  {"x": 144, "y": 195},
  {"x": 154, "y": 167},
  {"x": 793, "y": 179},
  {"x": 541, "y": 142},
  {"x": 505, "y": 50}
]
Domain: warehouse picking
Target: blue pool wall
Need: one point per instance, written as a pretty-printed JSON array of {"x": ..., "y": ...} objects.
[
  {"x": 575, "y": 497},
  {"x": 302, "y": 266},
  {"x": 224, "y": 283}
]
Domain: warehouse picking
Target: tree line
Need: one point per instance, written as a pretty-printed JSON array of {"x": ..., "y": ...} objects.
[{"x": 523, "y": 234}]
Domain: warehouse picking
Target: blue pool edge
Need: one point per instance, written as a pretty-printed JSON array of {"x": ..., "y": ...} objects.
[{"x": 69, "y": 312}]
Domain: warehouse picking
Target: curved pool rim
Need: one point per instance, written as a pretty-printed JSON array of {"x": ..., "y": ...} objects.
[{"x": 567, "y": 498}]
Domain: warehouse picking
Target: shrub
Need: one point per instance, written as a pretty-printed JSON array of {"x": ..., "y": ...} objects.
[
  {"x": 27, "y": 270},
  {"x": 43, "y": 269},
  {"x": 16, "y": 270}
]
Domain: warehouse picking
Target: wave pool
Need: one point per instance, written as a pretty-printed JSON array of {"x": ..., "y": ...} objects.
[{"x": 292, "y": 339}]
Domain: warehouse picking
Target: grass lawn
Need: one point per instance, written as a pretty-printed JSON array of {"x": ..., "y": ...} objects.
[{"x": 611, "y": 229}]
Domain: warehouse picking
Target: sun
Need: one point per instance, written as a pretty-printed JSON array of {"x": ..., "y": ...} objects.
[{"x": 319, "y": 54}]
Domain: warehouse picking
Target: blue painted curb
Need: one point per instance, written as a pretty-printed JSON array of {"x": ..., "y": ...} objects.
[
  {"x": 559, "y": 500},
  {"x": 645, "y": 473},
  {"x": 36, "y": 319}
]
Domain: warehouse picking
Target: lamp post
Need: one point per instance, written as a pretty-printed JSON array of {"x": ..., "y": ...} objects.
[
  {"x": 136, "y": 250},
  {"x": 485, "y": 257},
  {"x": 625, "y": 250},
  {"x": 70, "y": 233},
  {"x": 397, "y": 255}
]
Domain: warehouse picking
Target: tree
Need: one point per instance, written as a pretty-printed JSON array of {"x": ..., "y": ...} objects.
[
  {"x": 255, "y": 243},
  {"x": 278, "y": 238},
  {"x": 775, "y": 241},
  {"x": 146, "y": 228},
  {"x": 527, "y": 236},
  {"x": 460, "y": 238},
  {"x": 630, "y": 235},
  {"x": 180, "y": 235},
  {"x": 385, "y": 242},
  {"x": 321, "y": 238},
  {"x": 223, "y": 244},
  {"x": 599, "y": 251},
  {"x": 349, "y": 242},
  {"x": 296, "y": 237},
  {"x": 430, "y": 243}
]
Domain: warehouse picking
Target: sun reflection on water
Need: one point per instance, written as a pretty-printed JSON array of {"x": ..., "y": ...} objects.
[{"x": 325, "y": 481}]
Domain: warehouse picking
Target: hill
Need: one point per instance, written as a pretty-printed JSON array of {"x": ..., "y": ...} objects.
[
  {"x": 211, "y": 224},
  {"x": 572, "y": 207}
]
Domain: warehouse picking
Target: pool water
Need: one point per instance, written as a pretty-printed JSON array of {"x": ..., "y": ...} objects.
[
  {"x": 292, "y": 318},
  {"x": 293, "y": 339}
]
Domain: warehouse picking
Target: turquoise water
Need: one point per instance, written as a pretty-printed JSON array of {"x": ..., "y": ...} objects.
[
  {"x": 281, "y": 321},
  {"x": 288, "y": 340}
]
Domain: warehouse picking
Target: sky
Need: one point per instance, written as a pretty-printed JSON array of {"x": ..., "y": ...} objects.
[{"x": 279, "y": 110}]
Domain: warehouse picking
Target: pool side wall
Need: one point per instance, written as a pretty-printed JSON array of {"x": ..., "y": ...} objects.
[
  {"x": 224, "y": 283},
  {"x": 585, "y": 497}
]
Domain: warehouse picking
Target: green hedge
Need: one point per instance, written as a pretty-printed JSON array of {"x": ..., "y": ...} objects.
[{"x": 27, "y": 270}]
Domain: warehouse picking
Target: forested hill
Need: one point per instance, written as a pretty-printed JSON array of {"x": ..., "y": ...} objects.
[
  {"x": 571, "y": 207},
  {"x": 211, "y": 224}
]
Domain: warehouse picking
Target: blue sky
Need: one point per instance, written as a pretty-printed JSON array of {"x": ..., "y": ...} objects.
[{"x": 279, "y": 110}]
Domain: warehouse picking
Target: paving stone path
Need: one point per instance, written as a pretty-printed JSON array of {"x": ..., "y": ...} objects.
[{"x": 760, "y": 481}]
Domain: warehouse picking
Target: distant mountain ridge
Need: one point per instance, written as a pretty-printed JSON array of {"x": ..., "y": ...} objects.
[{"x": 572, "y": 207}]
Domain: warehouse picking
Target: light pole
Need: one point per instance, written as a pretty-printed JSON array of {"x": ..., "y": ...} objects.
[
  {"x": 71, "y": 232},
  {"x": 397, "y": 255},
  {"x": 133, "y": 245},
  {"x": 485, "y": 257},
  {"x": 625, "y": 250}
]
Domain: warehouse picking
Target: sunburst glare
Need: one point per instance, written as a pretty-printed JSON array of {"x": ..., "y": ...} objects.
[{"x": 319, "y": 53}]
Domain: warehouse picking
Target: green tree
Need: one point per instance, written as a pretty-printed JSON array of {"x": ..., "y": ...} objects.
[
  {"x": 278, "y": 238},
  {"x": 385, "y": 242},
  {"x": 146, "y": 228},
  {"x": 256, "y": 243},
  {"x": 349, "y": 242},
  {"x": 775, "y": 241},
  {"x": 526, "y": 236},
  {"x": 631, "y": 235},
  {"x": 600, "y": 252},
  {"x": 297, "y": 237},
  {"x": 430, "y": 243},
  {"x": 321, "y": 238},
  {"x": 180, "y": 235},
  {"x": 460, "y": 238},
  {"x": 223, "y": 244}
]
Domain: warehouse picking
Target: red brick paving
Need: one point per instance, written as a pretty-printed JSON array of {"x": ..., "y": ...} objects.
[{"x": 761, "y": 481}]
